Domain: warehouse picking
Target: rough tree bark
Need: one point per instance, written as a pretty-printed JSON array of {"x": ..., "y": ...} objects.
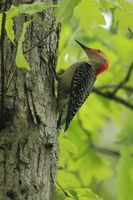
[{"x": 28, "y": 139}]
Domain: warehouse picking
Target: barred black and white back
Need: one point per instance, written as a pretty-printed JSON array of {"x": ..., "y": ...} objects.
[{"x": 81, "y": 86}]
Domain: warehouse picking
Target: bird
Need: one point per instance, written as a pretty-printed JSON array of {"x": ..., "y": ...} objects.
[{"x": 76, "y": 83}]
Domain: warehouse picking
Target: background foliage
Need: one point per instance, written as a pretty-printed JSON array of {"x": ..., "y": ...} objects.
[{"x": 96, "y": 152}]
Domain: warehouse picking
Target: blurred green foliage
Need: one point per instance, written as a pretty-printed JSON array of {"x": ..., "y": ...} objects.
[{"x": 96, "y": 153}]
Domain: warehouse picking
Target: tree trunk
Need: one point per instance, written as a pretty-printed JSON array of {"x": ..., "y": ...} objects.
[{"x": 28, "y": 137}]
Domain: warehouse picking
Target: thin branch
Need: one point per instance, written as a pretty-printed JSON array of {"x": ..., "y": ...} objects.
[
  {"x": 126, "y": 79},
  {"x": 66, "y": 194},
  {"x": 114, "y": 98},
  {"x": 100, "y": 150},
  {"x": 126, "y": 88},
  {"x": 106, "y": 151},
  {"x": 47, "y": 34},
  {"x": 111, "y": 95}
]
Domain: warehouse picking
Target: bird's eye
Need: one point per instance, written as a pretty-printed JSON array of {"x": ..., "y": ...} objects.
[{"x": 98, "y": 51}]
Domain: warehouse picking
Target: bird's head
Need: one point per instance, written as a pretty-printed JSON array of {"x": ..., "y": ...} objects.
[{"x": 98, "y": 59}]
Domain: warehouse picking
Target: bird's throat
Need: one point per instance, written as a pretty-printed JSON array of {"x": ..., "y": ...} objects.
[{"x": 100, "y": 67}]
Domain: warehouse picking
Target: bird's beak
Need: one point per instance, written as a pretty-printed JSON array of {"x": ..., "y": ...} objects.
[
  {"x": 83, "y": 46},
  {"x": 88, "y": 50}
]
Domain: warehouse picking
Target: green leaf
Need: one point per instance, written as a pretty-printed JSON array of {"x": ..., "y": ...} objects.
[
  {"x": 88, "y": 13},
  {"x": 20, "y": 9},
  {"x": 10, "y": 14},
  {"x": 9, "y": 29},
  {"x": 32, "y": 8},
  {"x": 124, "y": 15},
  {"x": 65, "y": 10},
  {"x": 96, "y": 165},
  {"x": 108, "y": 4},
  {"x": 20, "y": 59},
  {"x": 83, "y": 194},
  {"x": 27, "y": 9},
  {"x": 65, "y": 142},
  {"x": 57, "y": 196}
]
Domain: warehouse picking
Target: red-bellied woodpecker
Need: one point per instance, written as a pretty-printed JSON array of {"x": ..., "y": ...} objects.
[{"x": 75, "y": 84}]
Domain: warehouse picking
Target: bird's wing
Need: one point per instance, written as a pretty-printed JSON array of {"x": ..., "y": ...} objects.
[{"x": 81, "y": 86}]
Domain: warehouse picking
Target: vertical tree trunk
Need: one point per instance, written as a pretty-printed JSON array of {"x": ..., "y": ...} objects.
[{"x": 28, "y": 140}]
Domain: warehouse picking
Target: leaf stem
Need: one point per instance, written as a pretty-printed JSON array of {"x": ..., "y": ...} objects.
[
  {"x": 125, "y": 80},
  {"x": 114, "y": 98},
  {"x": 66, "y": 194}
]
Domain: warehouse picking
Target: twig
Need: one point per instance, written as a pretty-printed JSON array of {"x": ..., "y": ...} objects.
[
  {"x": 48, "y": 33},
  {"x": 106, "y": 151},
  {"x": 100, "y": 150},
  {"x": 66, "y": 194},
  {"x": 95, "y": 148},
  {"x": 111, "y": 95},
  {"x": 127, "y": 88},
  {"x": 126, "y": 79},
  {"x": 114, "y": 98}
]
